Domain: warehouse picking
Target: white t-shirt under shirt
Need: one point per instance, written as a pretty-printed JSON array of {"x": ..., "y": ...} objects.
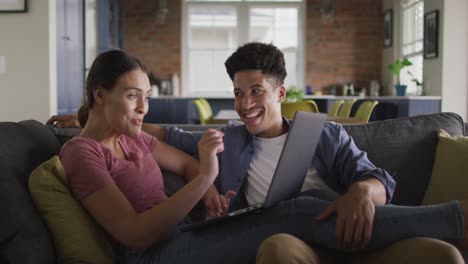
[{"x": 262, "y": 168}]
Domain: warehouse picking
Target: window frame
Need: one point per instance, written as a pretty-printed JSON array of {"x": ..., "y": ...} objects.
[
  {"x": 412, "y": 88},
  {"x": 243, "y": 22}
]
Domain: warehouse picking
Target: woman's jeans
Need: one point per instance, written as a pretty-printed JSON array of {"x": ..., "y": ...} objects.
[{"x": 237, "y": 240}]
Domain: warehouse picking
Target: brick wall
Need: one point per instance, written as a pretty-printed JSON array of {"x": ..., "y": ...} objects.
[
  {"x": 158, "y": 45},
  {"x": 349, "y": 50}
]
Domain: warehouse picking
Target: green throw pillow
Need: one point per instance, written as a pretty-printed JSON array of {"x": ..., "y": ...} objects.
[
  {"x": 77, "y": 238},
  {"x": 449, "y": 180}
]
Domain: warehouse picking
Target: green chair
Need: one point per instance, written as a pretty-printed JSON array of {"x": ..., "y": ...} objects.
[
  {"x": 204, "y": 111},
  {"x": 288, "y": 109},
  {"x": 335, "y": 107},
  {"x": 364, "y": 111},
  {"x": 345, "y": 109}
]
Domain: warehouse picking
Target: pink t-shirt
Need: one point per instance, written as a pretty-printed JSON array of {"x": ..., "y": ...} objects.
[{"x": 89, "y": 166}]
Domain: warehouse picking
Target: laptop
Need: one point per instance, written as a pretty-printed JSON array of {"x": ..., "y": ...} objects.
[{"x": 290, "y": 172}]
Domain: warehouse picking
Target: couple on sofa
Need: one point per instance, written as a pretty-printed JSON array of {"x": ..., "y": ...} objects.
[{"x": 113, "y": 169}]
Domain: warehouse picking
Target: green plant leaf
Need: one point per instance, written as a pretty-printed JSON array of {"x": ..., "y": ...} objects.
[
  {"x": 397, "y": 66},
  {"x": 294, "y": 93}
]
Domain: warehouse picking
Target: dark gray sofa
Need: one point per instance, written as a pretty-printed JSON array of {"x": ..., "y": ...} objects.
[{"x": 405, "y": 147}]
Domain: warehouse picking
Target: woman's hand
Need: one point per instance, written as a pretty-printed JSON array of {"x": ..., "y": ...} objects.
[{"x": 210, "y": 144}]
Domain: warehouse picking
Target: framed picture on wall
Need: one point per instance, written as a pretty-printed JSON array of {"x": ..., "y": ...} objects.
[
  {"x": 14, "y": 6},
  {"x": 431, "y": 34},
  {"x": 388, "y": 28}
]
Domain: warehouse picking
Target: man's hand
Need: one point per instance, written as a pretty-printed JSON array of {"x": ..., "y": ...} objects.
[
  {"x": 62, "y": 121},
  {"x": 355, "y": 216},
  {"x": 216, "y": 204}
]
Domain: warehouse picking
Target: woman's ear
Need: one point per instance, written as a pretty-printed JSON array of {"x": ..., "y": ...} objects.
[
  {"x": 281, "y": 93},
  {"x": 98, "y": 95}
]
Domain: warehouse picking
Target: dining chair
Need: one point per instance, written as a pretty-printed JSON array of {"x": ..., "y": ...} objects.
[
  {"x": 207, "y": 106},
  {"x": 364, "y": 111},
  {"x": 335, "y": 107},
  {"x": 288, "y": 109},
  {"x": 204, "y": 111},
  {"x": 345, "y": 109}
]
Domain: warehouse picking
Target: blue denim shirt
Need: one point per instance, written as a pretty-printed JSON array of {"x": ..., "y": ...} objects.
[{"x": 337, "y": 159}]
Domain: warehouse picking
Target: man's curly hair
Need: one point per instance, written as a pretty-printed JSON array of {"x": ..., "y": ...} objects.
[{"x": 258, "y": 56}]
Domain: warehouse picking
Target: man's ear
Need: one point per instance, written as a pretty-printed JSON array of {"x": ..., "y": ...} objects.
[{"x": 281, "y": 93}]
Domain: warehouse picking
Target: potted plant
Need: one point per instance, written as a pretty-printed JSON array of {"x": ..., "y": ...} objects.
[
  {"x": 294, "y": 94},
  {"x": 395, "y": 68}
]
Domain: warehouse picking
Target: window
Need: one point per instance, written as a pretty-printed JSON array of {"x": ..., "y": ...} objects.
[
  {"x": 412, "y": 42},
  {"x": 213, "y": 30}
]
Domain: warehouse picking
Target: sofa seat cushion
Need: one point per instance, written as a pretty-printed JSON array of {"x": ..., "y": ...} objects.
[
  {"x": 77, "y": 238},
  {"x": 449, "y": 179}
]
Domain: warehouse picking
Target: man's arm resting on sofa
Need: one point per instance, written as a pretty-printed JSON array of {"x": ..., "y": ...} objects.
[
  {"x": 184, "y": 141},
  {"x": 63, "y": 121},
  {"x": 155, "y": 130}
]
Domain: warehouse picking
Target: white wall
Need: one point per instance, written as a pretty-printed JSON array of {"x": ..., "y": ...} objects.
[
  {"x": 455, "y": 64},
  {"x": 446, "y": 75},
  {"x": 28, "y": 86}
]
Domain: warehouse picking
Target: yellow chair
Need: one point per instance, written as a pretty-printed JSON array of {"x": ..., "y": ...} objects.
[
  {"x": 205, "y": 114},
  {"x": 345, "y": 109},
  {"x": 365, "y": 110},
  {"x": 335, "y": 107},
  {"x": 204, "y": 111},
  {"x": 207, "y": 106},
  {"x": 288, "y": 109}
]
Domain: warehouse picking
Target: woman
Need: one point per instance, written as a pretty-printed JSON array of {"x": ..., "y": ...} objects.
[{"x": 113, "y": 169}]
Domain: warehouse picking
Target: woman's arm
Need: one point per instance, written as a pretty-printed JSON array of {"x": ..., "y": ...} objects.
[
  {"x": 110, "y": 208},
  {"x": 183, "y": 164},
  {"x": 114, "y": 213}
]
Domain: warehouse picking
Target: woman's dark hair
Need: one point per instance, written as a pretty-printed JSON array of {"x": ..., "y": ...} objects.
[
  {"x": 107, "y": 68},
  {"x": 258, "y": 56}
]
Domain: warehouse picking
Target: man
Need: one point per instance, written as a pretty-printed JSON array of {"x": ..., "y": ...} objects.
[{"x": 252, "y": 150}]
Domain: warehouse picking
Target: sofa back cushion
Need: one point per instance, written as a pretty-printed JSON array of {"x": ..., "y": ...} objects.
[
  {"x": 23, "y": 236},
  {"x": 406, "y": 148}
]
